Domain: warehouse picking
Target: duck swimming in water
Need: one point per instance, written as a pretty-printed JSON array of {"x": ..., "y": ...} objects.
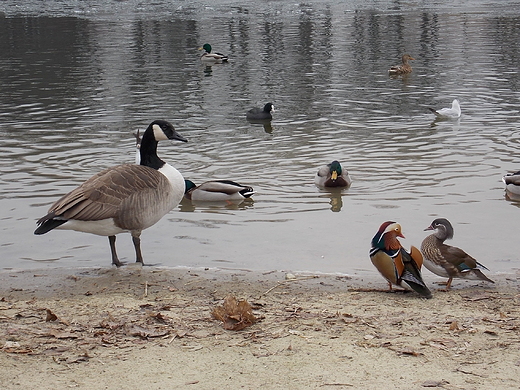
[{"x": 403, "y": 68}]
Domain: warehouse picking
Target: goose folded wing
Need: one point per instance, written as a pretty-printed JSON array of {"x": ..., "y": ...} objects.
[{"x": 102, "y": 195}]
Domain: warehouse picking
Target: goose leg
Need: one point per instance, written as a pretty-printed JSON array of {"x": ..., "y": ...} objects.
[
  {"x": 115, "y": 260},
  {"x": 137, "y": 246}
]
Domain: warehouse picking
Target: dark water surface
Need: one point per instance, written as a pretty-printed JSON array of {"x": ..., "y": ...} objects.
[{"x": 77, "y": 78}]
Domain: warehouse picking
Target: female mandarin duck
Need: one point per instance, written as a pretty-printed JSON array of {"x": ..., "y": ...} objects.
[
  {"x": 217, "y": 191},
  {"x": 332, "y": 175},
  {"x": 404, "y": 68},
  {"x": 449, "y": 261},
  {"x": 209, "y": 57},
  {"x": 394, "y": 262},
  {"x": 512, "y": 182}
]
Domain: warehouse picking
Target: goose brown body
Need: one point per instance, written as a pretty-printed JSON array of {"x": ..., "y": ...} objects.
[
  {"x": 446, "y": 260},
  {"x": 124, "y": 198}
]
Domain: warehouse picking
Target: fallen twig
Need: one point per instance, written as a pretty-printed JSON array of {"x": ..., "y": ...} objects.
[{"x": 288, "y": 281}]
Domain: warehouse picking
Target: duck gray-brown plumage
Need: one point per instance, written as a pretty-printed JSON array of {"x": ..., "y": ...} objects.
[
  {"x": 212, "y": 58},
  {"x": 217, "y": 191},
  {"x": 394, "y": 263},
  {"x": 446, "y": 260},
  {"x": 124, "y": 198},
  {"x": 332, "y": 175},
  {"x": 403, "y": 68},
  {"x": 512, "y": 182}
]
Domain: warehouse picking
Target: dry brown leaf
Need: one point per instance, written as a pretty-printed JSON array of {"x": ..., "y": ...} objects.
[
  {"x": 50, "y": 316},
  {"x": 454, "y": 325},
  {"x": 235, "y": 315}
]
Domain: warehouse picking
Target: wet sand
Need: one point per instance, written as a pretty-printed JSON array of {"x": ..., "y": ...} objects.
[{"x": 133, "y": 327}]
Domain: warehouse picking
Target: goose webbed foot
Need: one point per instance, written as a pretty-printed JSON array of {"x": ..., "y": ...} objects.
[
  {"x": 137, "y": 245},
  {"x": 115, "y": 260}
]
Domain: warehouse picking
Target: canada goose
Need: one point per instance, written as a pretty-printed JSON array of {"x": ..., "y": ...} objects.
[
  {"x": 260, "y": 113},
  {"x": 124, "y": 198},
  {"x": 217, "y": 190},
  {"x": 209, "y": 57},
  {"x": 332, "y": 175}
]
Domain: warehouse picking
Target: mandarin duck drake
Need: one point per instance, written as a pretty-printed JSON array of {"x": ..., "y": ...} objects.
[
  {"x": 394, "y": 262},
  {"x": 332, "y": 175},
  {"x": 404, "y": 68},
  {"x": 449, "y": 261},
  {"x": 512, "y": 182},
  {"x": 445, "y": 113},
  {"x": 212, "y": 58},
  {"x": 217, "y": 191}
]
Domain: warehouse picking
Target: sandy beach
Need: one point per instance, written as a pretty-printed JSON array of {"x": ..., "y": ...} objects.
[{"x": 150, "y": 328}]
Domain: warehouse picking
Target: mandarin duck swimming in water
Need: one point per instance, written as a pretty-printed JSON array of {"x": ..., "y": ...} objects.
[
  {"x": 404, "y": 68},
  {"x": 445, "y": 113},
  {"x": 217, "y": 191},
  {"x": 212, "y": 58},
  {"x": 394, "y": 262},
  {"x": 332, "y": 175},
  {"x": 512, "y": 182},
  {"x": 449, "y": 261}
]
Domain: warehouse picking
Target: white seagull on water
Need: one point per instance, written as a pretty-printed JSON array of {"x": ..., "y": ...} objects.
[{"x": 453, "y": 112}]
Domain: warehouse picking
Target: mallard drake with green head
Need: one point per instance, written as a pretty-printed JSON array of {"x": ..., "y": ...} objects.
[
  {"x": 449, "y": 261},
  {"x": 211, "y": 58},
  {"x": 332, "y": 175},
  {"x": 394, "y": 262},
  {"x": 217, "y": 191}
]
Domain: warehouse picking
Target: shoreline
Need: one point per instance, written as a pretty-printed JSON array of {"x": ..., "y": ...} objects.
[{"x": 109, "y": 328}]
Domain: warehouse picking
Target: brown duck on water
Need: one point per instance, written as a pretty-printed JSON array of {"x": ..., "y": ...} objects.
[{"x": 404, "y": 68}]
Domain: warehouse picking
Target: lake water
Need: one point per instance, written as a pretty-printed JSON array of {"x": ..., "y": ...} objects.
[{"x": 77, "y": 78}]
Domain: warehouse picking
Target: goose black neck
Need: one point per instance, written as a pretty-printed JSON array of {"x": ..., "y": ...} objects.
[{"x": 148, "y": 151}]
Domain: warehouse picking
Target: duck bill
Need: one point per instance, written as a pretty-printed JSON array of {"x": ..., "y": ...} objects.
[
  {"x": 429, "y": 228},
  {"x": 334, "y": 175}
]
